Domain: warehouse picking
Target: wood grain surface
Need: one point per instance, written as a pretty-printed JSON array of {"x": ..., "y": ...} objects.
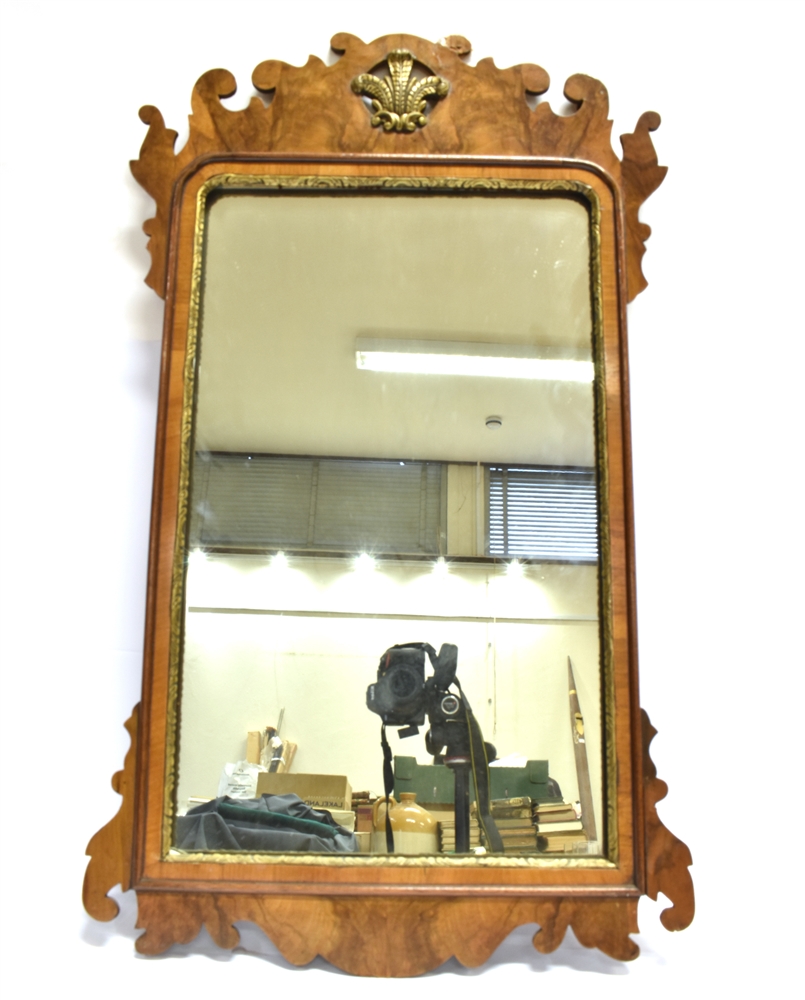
[
  {"x": 110, "y": 848},
  {"x": 310, "y": 121},
  {"x": 382, "y": 937},
  {"x": 667, "y": 858},
  {"x": 161, "y": 680},
  {"x": 312, "y": 110},
  {"x": 362, "y": 936}
]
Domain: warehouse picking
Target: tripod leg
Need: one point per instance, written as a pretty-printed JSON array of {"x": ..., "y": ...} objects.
[{"x": 461, "y": 775}]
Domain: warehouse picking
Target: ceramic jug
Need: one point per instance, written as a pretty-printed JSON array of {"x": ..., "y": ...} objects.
[{"x": 415, "y": 830}]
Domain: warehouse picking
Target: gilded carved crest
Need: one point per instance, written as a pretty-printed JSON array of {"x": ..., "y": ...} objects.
[
  {"x": 398, "y": 102},
  {"x": 502, "y": 121}
]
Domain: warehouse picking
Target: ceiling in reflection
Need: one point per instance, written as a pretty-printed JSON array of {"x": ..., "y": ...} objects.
[{"x": 291, "y": 282}]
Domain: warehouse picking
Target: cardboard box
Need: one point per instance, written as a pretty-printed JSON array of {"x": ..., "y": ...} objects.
[
  {"x": 344, "y": 817},
  {"x": 329, "y": 791}
]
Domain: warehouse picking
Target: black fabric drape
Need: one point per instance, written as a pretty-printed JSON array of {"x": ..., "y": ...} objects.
[{"x": 271, "y": 823}]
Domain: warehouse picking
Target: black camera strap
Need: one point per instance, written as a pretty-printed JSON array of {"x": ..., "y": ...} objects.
[
  {"x": 388, "y": 783},
  {"x": 388, "y": 758},
  {"x": 480, "y": 775}
]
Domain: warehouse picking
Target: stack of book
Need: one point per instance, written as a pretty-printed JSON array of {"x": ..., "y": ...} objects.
[
  {"x": 562, "y": 842},
  {"x": 559, "y": 839},
  {"x": 447, "y": 836},
  {"x": 556, "y": 812},
  {"x": 526, "y": 826},
  {"x": 515, "y": 823}
]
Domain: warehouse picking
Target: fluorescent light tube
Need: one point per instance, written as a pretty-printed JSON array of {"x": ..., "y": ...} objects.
[{"x": 431, "y": 357}]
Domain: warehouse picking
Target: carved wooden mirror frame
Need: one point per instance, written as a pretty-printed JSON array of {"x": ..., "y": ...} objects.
[{"x": 475, "y": 124}]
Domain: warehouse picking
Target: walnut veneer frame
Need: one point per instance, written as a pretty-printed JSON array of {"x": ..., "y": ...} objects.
[{"x": 460, "y": 125}]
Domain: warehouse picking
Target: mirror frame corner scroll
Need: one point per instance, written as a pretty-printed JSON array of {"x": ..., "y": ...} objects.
[{"x": 476, "y": 118}]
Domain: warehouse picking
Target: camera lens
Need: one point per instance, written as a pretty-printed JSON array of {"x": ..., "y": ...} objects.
[
  {"x": 449, "y": 704},
  {"x": 403, "y": 683}
]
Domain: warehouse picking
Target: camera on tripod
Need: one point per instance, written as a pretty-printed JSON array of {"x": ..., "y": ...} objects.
[{"x": 403, "y": 696}]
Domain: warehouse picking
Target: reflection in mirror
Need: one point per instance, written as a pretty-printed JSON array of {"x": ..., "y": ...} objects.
[{"x": 394, "y": 442}]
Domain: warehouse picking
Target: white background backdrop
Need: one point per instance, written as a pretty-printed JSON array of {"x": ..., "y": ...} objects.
[{"x": 716, "y": 361}]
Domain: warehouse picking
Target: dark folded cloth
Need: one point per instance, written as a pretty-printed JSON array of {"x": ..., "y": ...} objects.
[{"x": 282, "y": 823}]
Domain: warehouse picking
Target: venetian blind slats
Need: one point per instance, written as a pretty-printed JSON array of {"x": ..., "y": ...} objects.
[
  {"x": 316, "y": 503},
  {"x": 543, "y": 513}
]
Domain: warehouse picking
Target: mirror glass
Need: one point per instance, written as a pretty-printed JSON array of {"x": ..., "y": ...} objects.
[{"x": 393, "y": 442}]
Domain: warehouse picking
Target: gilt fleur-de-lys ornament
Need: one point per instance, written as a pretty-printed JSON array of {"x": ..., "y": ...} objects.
[{"x": 398, "y": 103}]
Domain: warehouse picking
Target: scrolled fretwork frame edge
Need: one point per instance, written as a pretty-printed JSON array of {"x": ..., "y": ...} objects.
[
  {"x": 304, "y": 120},
  {"x": 110, "y": 849},
  {"x": 305, "y": 927},
  {"x": 667, "y": 858}
]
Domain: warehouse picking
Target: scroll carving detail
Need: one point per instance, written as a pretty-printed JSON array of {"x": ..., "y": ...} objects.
[
  {"x": 303, "y": 118},
  {"x": 110, "y": 848},
  {"x": 667, "y": 858},
  {"x": 360, "y": 936},
  {"x": 642, "y": 175},
  {"x": 169, "y": 918}
]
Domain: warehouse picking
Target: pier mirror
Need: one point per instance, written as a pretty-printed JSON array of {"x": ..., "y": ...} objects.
[{"x": 390, "y": 642}]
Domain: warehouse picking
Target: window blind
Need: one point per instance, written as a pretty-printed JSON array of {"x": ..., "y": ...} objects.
[
  {"x": 543, "y": 513},
  {"x": 264, "y": 501}
]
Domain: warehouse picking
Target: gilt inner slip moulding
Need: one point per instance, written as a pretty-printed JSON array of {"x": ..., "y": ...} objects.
[{"x": 390, "y": 667}]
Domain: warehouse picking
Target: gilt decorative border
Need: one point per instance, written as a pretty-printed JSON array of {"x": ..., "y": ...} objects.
[{"x": 345, "y": 184}]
